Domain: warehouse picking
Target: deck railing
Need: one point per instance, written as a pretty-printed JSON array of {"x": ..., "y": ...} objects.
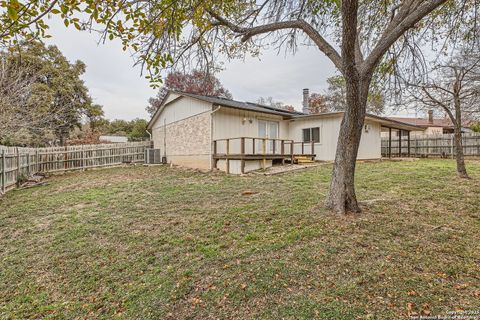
[{"x": 254, "y": 148}]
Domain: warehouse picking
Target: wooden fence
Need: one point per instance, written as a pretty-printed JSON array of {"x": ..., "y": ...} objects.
[
  {"x": 432, "y": 146},
  {"x": 18, "y": 163}
]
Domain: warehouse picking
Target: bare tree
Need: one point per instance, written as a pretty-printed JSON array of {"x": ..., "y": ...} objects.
[
  {"x": 371, "y": 35},
  {"x": 452, "y": 87},
  {"x": 356, "y": 63}
]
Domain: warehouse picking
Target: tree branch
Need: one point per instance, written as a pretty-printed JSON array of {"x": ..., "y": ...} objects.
[
  {"x": 312, "y": 33},
  {"x": 405, "y": 19}
]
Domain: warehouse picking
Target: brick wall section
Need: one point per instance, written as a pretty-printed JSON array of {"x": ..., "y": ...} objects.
[{"x": 188, "y": 141}]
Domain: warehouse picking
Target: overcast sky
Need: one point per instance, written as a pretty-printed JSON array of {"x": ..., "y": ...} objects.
[{"x": 118, "y": 86}]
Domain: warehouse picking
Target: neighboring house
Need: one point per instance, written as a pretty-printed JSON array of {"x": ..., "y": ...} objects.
[
  {"x": 431, "y": 125},
  {"x": 113, "y": 139},
  {"x": 210, "y": 132}
]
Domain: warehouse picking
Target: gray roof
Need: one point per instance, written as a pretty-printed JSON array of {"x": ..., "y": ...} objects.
[
  {"x": 250, "y": 106},
  {"x": 294, "y": 115}
]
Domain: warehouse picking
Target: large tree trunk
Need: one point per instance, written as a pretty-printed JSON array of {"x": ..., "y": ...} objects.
[
  {"x": 341, "y": 197},
  {"x": 461, "y": 169}
]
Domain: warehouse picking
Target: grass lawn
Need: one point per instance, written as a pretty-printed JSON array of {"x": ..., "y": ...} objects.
[{"x": 162, "y": 243}]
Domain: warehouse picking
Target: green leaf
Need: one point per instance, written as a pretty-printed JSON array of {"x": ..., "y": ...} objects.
[
  {"x": 12, "y": 13},
  {"x": 55, "y": 11}
]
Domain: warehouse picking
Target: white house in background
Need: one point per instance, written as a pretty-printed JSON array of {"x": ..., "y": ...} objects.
[
  {"x": 209, "y": 132},
  {"x": 113, "y": 139},
  {"x": 432, "y": 125}
]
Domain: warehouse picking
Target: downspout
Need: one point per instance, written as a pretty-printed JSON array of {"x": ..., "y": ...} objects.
[
  {"x": 150, "y": 135},
  {"x": 211, "y": 135}
]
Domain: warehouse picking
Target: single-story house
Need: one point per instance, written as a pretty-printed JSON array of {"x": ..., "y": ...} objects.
[
  {"x": 431, "y": 125},
  {"x": 207, "y": 132}
]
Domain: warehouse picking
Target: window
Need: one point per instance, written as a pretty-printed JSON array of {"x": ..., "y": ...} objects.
[
  {"x": 316, "y": 134},
  {"x": 311, "y": 134},
  {"x": 306, "y": 135}
]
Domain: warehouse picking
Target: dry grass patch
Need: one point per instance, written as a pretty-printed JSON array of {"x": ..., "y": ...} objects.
[{"x": 162, "y": 243}]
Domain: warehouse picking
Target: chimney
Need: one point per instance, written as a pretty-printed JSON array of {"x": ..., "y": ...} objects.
[
  {"x": 430, "y": 116},
  {"x": 306, "y": 96}
]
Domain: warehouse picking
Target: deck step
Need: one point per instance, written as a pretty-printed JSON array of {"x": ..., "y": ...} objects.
[{"x": 300, "y": 161}]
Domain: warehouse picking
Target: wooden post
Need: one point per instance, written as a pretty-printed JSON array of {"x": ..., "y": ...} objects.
[
  {"x": 83, "y": 158},
  {"x": 303, "y": 148},
  {"x": 253, "y": 146},
  {"x": 65, "y": 159},
  {"x": 214, "y": 154},
  {"x": 389, "y": 142},
  {"x": 291, "y": 151},
  {"x": 274, "y": 145},
  {"x": 242, "y": 150},
  {"x": 282, "y": 150},
  {"x": 313, "y": 148},
  {"x": 400, "y": 143},
  {"x": 28, "y": 164},
  {"x": 227, "y": 161},
  {"x": 452, "y": 146},
  {"x": 264, "y": 150},
  {"x": 4, "y": 164},
  {"x": 408, "y": 133},
  {"x": 18, "y": 166},
  {"x": 37, "y": 164},
  {"x": 416, "y": 146}
]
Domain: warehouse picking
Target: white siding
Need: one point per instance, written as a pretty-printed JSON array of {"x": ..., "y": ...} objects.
[
  {"x": 229, "y": 123},
  {"x": 329, "y": 131},
  {"x": 181, "y": 109},
  {"x": 234, "y": 123},
  {"x": 371, "y": 142}
]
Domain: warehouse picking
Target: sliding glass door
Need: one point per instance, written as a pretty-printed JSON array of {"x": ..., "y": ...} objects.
[{"x": 269, "y": 130}]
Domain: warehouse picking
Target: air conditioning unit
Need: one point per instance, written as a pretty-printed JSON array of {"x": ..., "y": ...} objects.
[
  {"x": 367, "y": 128},
  {"x": 153, "y": 156}
]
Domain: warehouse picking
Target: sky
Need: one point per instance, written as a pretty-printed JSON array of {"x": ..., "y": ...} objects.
[
  {"x": 119, "y": 87},
  {"x": 123, "y": 92}
]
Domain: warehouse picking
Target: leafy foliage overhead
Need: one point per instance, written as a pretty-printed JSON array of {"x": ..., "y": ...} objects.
[{"x": 192, "y": 34}]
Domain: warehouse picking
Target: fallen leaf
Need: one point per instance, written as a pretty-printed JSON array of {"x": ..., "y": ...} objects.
[
  {"x": 410, "y": 307},
  {"x": 461, "y": 286},
  {"x": 248, "y": 192},
  {"x": 426, "y": 309}
]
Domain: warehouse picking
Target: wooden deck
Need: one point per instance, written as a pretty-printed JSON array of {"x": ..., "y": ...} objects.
[{"x": 263, "y": 149}]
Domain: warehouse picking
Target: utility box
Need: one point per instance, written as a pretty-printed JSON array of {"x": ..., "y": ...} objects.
[{"x": 153, "y": 156}]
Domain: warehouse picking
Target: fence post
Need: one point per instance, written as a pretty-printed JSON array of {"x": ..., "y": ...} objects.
[
  {"x": 3, "y": 171},
  {"x": 28, "y": 164},
  {"x": 83, "y": 158},
  {"x": 37, "y": 165},
  {"x": 18, "y": 166},
  {"x": 451, "y": 149}
]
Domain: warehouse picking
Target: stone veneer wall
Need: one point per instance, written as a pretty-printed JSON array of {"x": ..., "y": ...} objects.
[{"x": 188, "y": 141}]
